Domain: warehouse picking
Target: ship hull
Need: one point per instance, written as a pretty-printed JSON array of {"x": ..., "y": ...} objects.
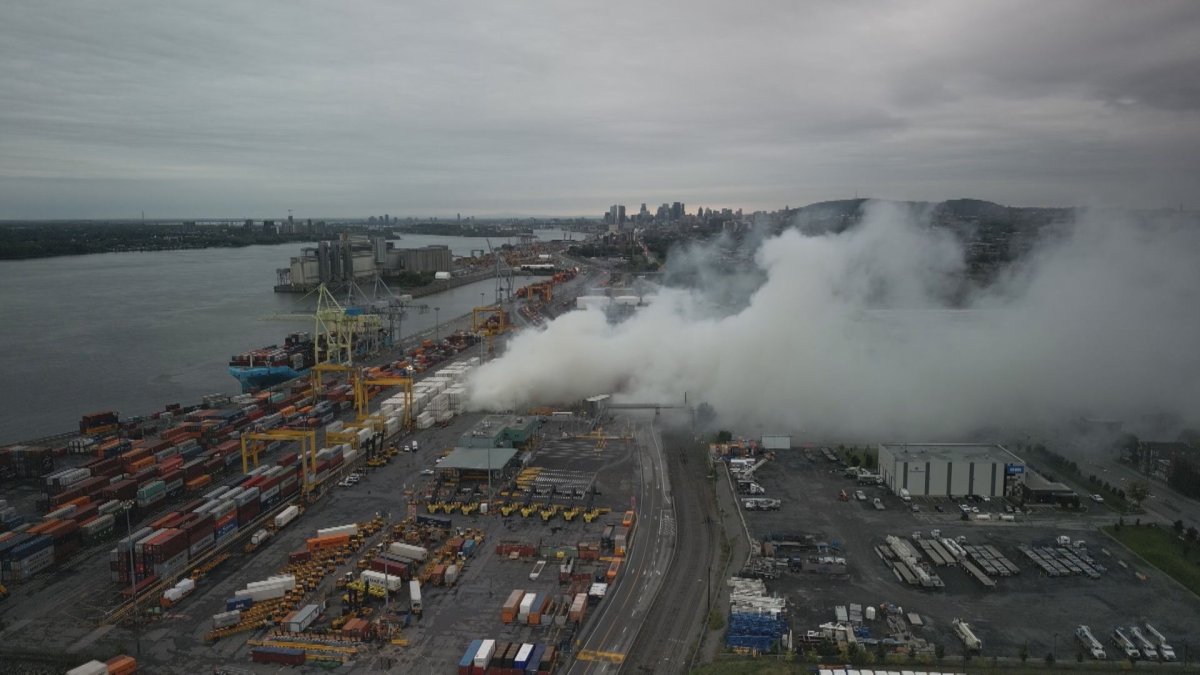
[{"x": 260, "y": 377}]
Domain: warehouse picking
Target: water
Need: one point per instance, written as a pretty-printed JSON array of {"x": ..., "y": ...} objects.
[{"x": 133, "y": 332}]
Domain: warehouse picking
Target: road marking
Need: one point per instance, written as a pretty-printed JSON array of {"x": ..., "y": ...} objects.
[
  {"x": 592, "y": 655},
  {"x": 666, "y": 526}
]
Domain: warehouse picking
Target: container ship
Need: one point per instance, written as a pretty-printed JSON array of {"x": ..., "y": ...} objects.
[{"x": 267, "y": 366}]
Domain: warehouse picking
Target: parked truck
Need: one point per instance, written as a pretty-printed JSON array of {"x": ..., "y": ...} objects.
[
  {"x": 1164, "y": 649},
  {"x": 964, "y": 632},
  {"x": 1146, "y": 646},
  {"x": 1090, "y": 643},
  {"x": 1125, "y": 644}
]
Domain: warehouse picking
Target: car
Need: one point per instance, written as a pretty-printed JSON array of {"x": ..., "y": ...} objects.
[
  {"x": 427, "y": 472},
  {"x": 438, "y": 460},
  {"x": 974, "y": 509},
  {"x": 1098, "y": 499},
  {"x": 939, "y": 508},
  {"x": 916, "y": 509},
  {"x": 860, "y": 495}
]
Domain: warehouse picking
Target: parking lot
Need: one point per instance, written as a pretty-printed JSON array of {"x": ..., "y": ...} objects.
[{"x": 1027, "y": 608}]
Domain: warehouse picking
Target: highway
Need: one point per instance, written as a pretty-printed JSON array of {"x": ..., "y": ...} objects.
[
  {"x": 670, "y": 634},
  {"x": 610, "y": 633}
]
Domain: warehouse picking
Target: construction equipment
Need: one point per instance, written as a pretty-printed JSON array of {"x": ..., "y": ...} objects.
[
  {"x": 490, "y": 321},
  {"x": 254, "y": 442}
]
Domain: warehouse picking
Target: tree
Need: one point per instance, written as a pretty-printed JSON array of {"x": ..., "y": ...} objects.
[
  {"x": 1178, "y": 527},
  {"x": 724, "y": 436},
  {"x": 1193, "y": 533},
  {"x": 854, "y": 460},
  {"x": 939, "y": 651},
  {"x": 1079, "y": 656},
  {"x": 1138, "y": 492},
  {"x": 1049, "y": 659},
  {"x": 1024, "y": 653}
]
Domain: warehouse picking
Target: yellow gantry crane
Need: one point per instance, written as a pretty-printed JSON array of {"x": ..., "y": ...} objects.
[
  {"x": 491, "y": 321},
  {"x": 361, "y": 382},
  {"x": 253, "y": 442}
]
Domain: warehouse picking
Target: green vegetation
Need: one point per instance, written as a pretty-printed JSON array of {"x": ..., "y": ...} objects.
[
  {"x": 1163, "y": 549},
  {"x": 716, "y": 620},
  {"x": 44, "y": 240},
  {"x": 414, "y": 279}
]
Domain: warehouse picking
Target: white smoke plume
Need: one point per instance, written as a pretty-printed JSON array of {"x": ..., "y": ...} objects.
[{"x": 850, "y": 334}]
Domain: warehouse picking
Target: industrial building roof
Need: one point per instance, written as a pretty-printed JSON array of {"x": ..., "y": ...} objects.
[
  {"x": 477, "y": 459},
  {"x": 952, "y": 452},
  {"x": 1036, "y": 482}
]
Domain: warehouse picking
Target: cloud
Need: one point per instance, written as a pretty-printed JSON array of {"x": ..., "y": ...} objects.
[
  {"x": 444, "y": 107},
  {"x": 851, "y": 334}
]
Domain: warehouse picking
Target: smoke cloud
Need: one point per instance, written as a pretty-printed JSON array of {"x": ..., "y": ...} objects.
[{"x": 852, "y": 334}]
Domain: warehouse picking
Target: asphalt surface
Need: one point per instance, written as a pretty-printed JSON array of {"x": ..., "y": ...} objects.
[
  {"x": 668, "y": 638},
  {"x": 610, "y": 633}
]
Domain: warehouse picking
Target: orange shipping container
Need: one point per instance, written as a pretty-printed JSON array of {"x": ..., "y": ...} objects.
[
  {"x": 612, "y": 570},
  {"x": 198, "y": 482},
  {"x": 508, "y": 612},
  {"x": 288, "y": 410},
  {"x": 139, "y": 464},
  {"x": 79, "y": 502},
  {"x": 332, "y": 541},
  {"x": 121, "y": 665},
  {"x": 43, "y": 526}
]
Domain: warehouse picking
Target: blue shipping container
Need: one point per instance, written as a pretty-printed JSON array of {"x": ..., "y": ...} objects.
[
  {"x": 238, "y": 603},
  {"x": 468, "y": 657}
]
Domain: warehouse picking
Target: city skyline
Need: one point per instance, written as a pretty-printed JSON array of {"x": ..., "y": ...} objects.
[{"x": 249, "y": 110}]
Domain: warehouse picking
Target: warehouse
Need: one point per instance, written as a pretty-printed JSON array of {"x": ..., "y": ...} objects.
[
  {"x": 500, "y": 431},
  {"x": 474, "y": 464},
  {"x": 950, "y": 469}
]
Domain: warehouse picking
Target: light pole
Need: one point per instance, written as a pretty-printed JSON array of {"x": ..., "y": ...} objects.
[
  {"x": 437, "y": 325},
  {"x": 137, "y": 633}
]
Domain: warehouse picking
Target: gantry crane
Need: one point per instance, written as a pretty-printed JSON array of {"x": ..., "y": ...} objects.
[
  {"x": 361, "y": 382},
  {"x": 252, "y": 444},
  {"x": 491, "y": 321}
]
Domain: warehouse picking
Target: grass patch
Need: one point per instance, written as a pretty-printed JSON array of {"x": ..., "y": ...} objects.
[
  {"x": 763, "y": 665},
  {"x": 716, "y": 620},
  {"x": 1162, "y": 548}
]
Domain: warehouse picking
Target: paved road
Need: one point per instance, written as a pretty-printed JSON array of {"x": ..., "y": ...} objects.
[
  {"x": 669, "y": 637},
  {"x": 611, "y": 631}
]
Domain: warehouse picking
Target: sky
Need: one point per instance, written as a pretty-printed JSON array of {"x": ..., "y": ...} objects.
[{"x": 237, "y": 109}]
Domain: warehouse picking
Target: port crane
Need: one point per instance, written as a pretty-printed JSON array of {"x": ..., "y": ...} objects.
[
  {"x": 253, "y": 443},
  {"x": 490, "y": 321}
]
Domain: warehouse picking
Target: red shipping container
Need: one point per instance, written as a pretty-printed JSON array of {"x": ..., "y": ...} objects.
[
  {"x": 248, "y": 511},
  {"x": 122, "y": 490},
  {"x": 170, "y": 464},
  {"x": 61, "y": 529},
  {"x": 86, "y": 512},
  {"x": 172, "y": 476},
  {"x": 289, "y": 459},
  {"x": 193, "y": 469}
]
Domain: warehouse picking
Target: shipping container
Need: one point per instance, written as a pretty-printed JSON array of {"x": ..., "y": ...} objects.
[{"x": 281, "y": 655}]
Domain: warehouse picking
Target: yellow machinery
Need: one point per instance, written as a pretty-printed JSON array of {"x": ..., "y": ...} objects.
[
  {"x": 592, "y": 514},
  {"x": 360, "y": 395},
  {"x": 549, "y": 511},
  {"x": 570, "y": 514},
  {"x": 491, "y": 321},
  {"x": 318, "y": 372},
  {"x": 253, "y": 442}
]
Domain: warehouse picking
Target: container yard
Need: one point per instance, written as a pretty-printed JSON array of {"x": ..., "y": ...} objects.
[
  {"x": 902, "y": 579},
  {"x": 293, "y": 526}
]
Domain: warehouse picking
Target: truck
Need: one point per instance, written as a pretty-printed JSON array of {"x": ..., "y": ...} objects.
[
  {"x": 537, "y": 570},
  {"x": 1147, "y": 647},
  {"x": 414, "y": 592},
  {"x": 749, "y": 487},
  {"x": 868, "y": 478},
  {"x": 964, "y": 633},
  {"x": 1125, "y": 644},
  {"x": 1089, "y": 642},
  {"x": 1164, "y": 649}
]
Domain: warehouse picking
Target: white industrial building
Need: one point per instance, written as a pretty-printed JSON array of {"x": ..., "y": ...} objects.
[{"x": 950, "y": 469}]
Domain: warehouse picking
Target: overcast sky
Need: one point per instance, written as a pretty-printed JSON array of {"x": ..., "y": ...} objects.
[{"x": 222, "y": 108}]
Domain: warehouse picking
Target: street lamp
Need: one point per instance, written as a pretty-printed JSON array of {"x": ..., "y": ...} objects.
[{"x": 437, "y": 328}]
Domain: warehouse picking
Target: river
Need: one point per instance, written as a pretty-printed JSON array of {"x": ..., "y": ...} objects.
[{"x": 133, "y": 332}]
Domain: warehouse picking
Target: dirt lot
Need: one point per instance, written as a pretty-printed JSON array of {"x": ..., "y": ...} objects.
[{"x": 1029, "y": 608}]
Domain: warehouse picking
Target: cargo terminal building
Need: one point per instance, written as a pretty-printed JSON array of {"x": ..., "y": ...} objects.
[{"x": 950, "y": 469}]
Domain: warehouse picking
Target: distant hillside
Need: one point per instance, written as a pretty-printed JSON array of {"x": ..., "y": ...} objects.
[{"x": 957, "y": 214}]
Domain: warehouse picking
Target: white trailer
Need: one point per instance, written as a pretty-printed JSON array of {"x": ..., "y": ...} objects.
[
  {"x": 1090, "y": 643},
  {"x": 1125, "y": 644},
  {"x": 1147, "y": 647},
  {"x": 964, "y": 632},
  {"x": 414, "y": 592},
  {"x": 1165, "y": 649}
]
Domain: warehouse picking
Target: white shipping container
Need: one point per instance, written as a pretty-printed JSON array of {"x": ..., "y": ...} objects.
[
  {"x": 389, "y": 581},
  {"x": 226, "y": 619},
  {"x": 526, "y": 607},
  {"x": 408, "y": 551},
  {"x": 287, "y": 515},
  {"x": 484, "y": 655},
  {"x": 89, "y": 668},
  {"x": 350, "y": 530}
]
